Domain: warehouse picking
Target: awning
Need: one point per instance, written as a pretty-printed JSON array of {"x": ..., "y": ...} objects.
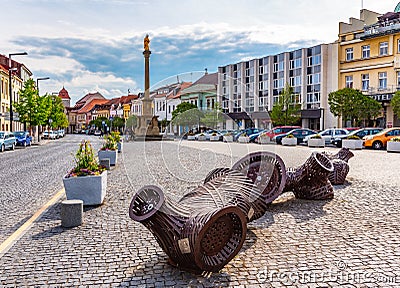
[
  {"x": 261, "y": 115},
  {"x": 239, "y": 116},
  {"x": 311, "y": 114}
]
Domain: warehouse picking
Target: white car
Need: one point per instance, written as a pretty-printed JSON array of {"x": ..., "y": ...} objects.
[
  {"x": 53, "y": 135},
  {"x": 328, "y": 134}
]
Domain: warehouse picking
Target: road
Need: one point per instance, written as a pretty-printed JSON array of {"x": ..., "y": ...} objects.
[{"x": 30, "y": 176}]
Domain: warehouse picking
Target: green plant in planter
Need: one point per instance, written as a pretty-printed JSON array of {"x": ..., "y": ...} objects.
[
  {"x": 243, "y": 134},
  {"x": 110, "y": 143},
  {"x": 202, "y": 134},
  {"x": 353, "y": 137},
  {"x": 316, "y": 136},
  {"x": 85, "y": 162},
  {"x": 116, "y": 136},
  {"x": 214, "y": 134},
  {"x": 290, "y": 136},
  {"x": 395, "y": 139}
]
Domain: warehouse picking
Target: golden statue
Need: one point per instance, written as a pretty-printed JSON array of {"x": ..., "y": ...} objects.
[{"x": 146, "y": 43}]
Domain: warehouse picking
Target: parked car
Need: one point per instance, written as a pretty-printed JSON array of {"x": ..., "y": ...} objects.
[
  {"x": 45, "y": 134},
  {"x": 7, "y": 141},
  {"x": 279, "y": 130},
  {"x": 61, "y": 133},
  {"x": 53, "y": 135},
  {"x": 208, "y": 134},
  {"x": 97, "y": 133},
  {"x": 23, "y": 138},
  {"x": 337, "y": 140},
  {"x": 329, "y": 134},
  {"x": 247, "y": 131},
  {"x": 378, "y": 141},
  {"x": 253, "y": 137},
  {"x": 300, "y": 134}
]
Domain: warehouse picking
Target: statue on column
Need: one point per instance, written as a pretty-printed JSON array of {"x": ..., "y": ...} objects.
[{"x": 146, "y": 43}]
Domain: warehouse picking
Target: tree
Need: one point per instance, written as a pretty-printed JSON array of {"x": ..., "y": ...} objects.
[
  {"x": 57, "y": 115},
  {"x": 118, "y": 123},
  {"x": 286, "y": 110},
  {"x": 213, "y": 117},
  {"x": 186, "y": 114},
  {"x": 131, "y": 122},
  {"x": 353, "y": 105},
  {"x": 395, "y": 103}
]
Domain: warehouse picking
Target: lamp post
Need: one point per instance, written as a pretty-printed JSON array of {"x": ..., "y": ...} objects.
[
  {"x": 37, "y": 87},
  {"x": 10, "y": 69},
  {"x": 166, "y": 114}
]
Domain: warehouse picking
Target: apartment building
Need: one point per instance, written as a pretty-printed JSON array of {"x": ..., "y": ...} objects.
[
  {"x": 249, "y": 89},
  {"x": 369, "y": 58}
]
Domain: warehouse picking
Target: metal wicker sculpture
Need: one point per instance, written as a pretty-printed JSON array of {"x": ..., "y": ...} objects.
[
  {"x": 310, "y": 180},
  {"x": 340, "y": 165}
]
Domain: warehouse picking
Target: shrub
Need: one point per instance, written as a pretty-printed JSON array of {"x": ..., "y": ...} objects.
[
  {"x": 395, "y": 139},
  {"x": 85, "y": 162},
  {"x": 110, "y": 143},
  {"x": 353, "y": 137},
  {"x": 289, "y": 136},
  {"x": 316, "y": 136}
]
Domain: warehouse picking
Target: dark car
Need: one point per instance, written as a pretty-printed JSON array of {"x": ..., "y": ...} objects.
[
  {"x": 300, "y": 134},
  {"x": 247, "y": 131},
  {"x": 359, "y": 133},
  {"x": 23, "y": 138}
]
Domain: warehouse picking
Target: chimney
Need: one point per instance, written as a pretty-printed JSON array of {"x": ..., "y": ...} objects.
[{"x": 206, "y": 71}]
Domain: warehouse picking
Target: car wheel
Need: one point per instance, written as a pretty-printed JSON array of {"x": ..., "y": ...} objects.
[
  {"x": 377, "y": 145},
  {"x": 3, "y": 148}
]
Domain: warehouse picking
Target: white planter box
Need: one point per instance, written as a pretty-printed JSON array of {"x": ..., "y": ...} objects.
[
  {"x": 393, "y": 146},
  {"x": 352, "y": 144},
  {"x": 119, "y": 144},
  {"x": 110, "y": 154},
  {"x": 90, "y": 189},
  {"x": 228, "y": 138},
  {"x": 243, "y": 139},
  {"x": 289, "y": 141},
  {"x": 202, "y": 138},
  {"x": 191, "y": 137},
  {"x": 214, "y": 138},
  {"x": 264, "y": 140},
  {"x": 312, "y": 142}
]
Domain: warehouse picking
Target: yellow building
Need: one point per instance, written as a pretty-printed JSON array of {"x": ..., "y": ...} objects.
[{"x": 369, "y": 58}]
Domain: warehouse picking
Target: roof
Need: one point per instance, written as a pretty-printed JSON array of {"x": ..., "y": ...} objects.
[
  {"x": 63, "y": 94},
  {"x": 89, "y": 105},
  {"x": 397, "y": 9},
  {"x": 183, "y": 86},
  {"x": 89, "y": 96},
  {"x": 208, "y": 79}
]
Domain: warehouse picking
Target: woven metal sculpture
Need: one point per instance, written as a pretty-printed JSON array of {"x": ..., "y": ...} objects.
[
  {"x": 310, "y": 180},
  {"x": 340, "y": 165}
]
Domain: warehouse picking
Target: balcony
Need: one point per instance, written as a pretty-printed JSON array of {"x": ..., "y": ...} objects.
[{"x": 380, "y": 29}]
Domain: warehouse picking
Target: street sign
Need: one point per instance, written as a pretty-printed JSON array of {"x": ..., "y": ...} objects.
[{"x": 111, "y": 118}]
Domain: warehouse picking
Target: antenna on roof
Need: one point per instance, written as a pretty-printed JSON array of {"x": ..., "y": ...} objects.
[
  {"x": 129, "y": 91},
  {"x": 206, "y": 71},
  {"x": 177, "y": 78}
]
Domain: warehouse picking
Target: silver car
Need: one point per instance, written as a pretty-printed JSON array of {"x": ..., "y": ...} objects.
[{"x": 7, "y": 141}]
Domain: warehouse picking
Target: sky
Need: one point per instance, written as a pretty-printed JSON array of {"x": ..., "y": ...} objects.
[{"x": 96, "y": 45}]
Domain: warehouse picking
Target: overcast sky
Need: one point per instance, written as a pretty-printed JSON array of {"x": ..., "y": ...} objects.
[{"x": 96, "y": 45}]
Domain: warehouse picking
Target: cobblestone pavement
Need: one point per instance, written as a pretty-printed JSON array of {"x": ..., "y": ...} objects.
[
  {"x": 30, "y": 177},
  {"x": 351, "y": 240}
]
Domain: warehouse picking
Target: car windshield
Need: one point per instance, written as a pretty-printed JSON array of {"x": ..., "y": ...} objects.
[{"x": 19, "y": 133}]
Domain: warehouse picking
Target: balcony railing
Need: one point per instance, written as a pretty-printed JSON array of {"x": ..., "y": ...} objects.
[{"x": 378, "y": 29}]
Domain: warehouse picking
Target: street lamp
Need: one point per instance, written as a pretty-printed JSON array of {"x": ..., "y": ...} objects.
[
  {"x": 10, "y": 85},
  {"x": 37, "y": 82}
]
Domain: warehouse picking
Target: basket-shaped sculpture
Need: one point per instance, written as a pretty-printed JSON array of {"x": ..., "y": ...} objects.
[{"x": 340, "y": 165}]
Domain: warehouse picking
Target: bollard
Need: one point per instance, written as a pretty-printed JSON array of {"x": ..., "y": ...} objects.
[
  {"x": 105, "y": 162},
  {"x": 71, "y": 213}
]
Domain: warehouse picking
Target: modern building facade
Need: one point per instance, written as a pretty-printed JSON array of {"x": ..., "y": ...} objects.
[
  {"x": 369, "y": 58},
  {"x": 249, "y": 89}
]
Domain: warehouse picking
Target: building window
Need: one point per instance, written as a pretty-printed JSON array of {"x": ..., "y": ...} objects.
[
  {"x": 349, "y": 81},
  {"x": 364, "y": 82},
  {"x": 383, "y": 48},
  {"x": 366, "y": 51},
  {"x": 313, "y": 97},
  {"x": 382, "y": 80},
  {"x": 398, "y": 45},
  {"x": 398, "y": 79},
  {"x": 349, "y": 54}
]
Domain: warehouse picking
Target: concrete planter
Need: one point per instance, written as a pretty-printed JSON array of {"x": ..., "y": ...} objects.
[
  {"x": 315, "y": 142},
  {"x": 228, "y": 138},
  {"x": 393, "y": 146},
  {"x": 352, "y": 144},
  {"x": 243, "y": 139},
  {"x": 90, "y": 189},
  {"x": 119, "y": 144},
  {"x": 264, "y": 140},
  {"x": 214, "y": 138},
  {"x": 110, "y": 154},
  {"x": 191, "y": 137},
  {"x": 202, "y": 138},
  {"x": 286, "y": 141}
]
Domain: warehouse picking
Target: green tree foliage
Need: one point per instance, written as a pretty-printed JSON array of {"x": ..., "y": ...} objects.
[
  {"x": 351, "y": 104},
  {"x": 131, "y": 122},
  {"x": 98, "y": 122},
  {"x": 395, "y": 103},
  {"x": 186, "y": 114},
  {"x": 118, "y": 123},
  {"x": 286, "y": 110},
  {"x": 213, "y": 117},
  {"x": 57, "y": 115}
]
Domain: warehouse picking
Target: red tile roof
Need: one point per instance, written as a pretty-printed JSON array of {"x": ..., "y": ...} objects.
[
  {"x": 88, "y": 96},
  {"x": 89, "y": 105},
  {"x": 63, "y": 94},
  {"x": 182, "y": 86}
]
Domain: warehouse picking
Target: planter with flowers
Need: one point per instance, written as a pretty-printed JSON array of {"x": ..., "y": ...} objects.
[
  {"x": 289, "y": 140},
  {"x": 87, "y": 181},
  {"x": 393, "y": 145},
  {"x": 109, "y": 150},
  {"x": 202, "y": 137},
  {"x": 316, "y": 141},
  {"x": 118, "y": 140},
  {"x": 214, "y": 137},
  {"x": 263, "y": 138},
  {"x": 228, "y": 137},
  {"x": 243, "y": 138},
  {"x": 352, "y": 142}
]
